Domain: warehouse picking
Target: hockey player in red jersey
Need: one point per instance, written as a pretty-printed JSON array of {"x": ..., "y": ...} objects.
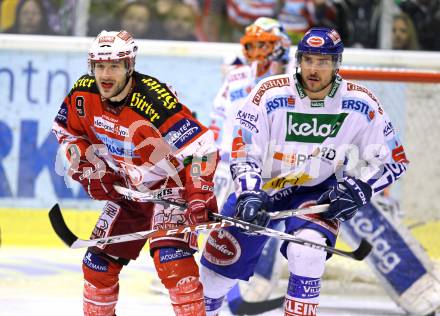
[{"x": 119, "y": 126}]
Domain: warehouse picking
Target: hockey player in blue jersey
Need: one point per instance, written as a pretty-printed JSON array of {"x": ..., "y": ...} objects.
[
  {"x": 300, "y": 130},
  {"x": 402, "y": 267}
]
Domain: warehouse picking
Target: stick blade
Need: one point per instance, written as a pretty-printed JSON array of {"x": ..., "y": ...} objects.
[
  {"x": 60, "y": 227},
  {"x": 256, "y": 308},
  {"x": 363, "y": 250}
]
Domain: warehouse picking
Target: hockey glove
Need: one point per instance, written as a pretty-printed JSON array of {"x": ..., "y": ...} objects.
[
  {"x": 201, "y": 200},
  {"x": 98, "y": 180},
  {"x": 251, "y": 207},
  {"x": 345, "y": 198}
]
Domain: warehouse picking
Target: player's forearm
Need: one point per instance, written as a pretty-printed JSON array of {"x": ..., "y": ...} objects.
[
  {"x": 246, "y": 174},
  {"x": 388, "y": 174},
  {"x": 201, "y": 166},
  {"x": 71, "y": 141}
]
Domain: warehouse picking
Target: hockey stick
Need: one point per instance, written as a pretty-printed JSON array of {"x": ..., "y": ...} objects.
[
  {"x": 158, "y": 196},
  {"x": 70, "y": 239},
  {"x": 244, "y": 307},
  {"x": 154, "y": 196},
  {"x": 358, "y": 254},
  {"x": 66, "y": 235}
]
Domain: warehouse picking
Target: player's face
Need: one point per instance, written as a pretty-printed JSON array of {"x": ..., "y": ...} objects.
[
  {"x": 316, "y": 71},
  {"x": 258, "y": 51},
  {"x": 110, "y": 77}
]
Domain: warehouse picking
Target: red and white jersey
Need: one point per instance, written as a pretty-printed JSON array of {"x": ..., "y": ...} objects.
[
  {"x": 279, "y": 131},
  {"x": 145, "y": 140}
]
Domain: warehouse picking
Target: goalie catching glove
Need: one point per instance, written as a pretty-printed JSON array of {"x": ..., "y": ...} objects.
[
  {"x": 345, "y": 198},
  {"x": 97, "y": 180},
  {"x": 251, "y": 207}
]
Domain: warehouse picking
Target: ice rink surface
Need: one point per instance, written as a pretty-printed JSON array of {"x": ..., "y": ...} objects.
[{"x": 49, "y": 282}]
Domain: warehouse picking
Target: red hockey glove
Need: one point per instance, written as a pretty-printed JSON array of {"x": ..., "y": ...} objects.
[
  {"x": 98, "y": 180},
  {"x": 201, "y": 199}
]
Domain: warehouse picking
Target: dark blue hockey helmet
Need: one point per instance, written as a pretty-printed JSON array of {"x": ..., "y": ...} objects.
[{"x": 321, "y": 40}]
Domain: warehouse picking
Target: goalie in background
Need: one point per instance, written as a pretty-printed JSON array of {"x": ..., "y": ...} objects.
[
  {"x": 321, "y": 139},
  {"x": 119, "y": 126},
  {"x": 266, "y": 48}
]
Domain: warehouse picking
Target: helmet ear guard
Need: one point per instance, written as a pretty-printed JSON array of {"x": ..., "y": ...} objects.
[
  {"x": 113, "y": 46},
  {"x": 321, "y": 40}
]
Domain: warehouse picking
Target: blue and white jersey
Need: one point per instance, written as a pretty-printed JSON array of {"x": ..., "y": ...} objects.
[{"x": 279, "y": 132}]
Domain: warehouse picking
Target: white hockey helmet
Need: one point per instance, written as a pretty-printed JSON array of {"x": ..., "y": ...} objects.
[{"x": 114, "y": 45}]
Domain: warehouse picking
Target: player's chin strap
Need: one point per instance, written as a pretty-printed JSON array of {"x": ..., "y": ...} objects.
[{"x": 220, "y": 221}]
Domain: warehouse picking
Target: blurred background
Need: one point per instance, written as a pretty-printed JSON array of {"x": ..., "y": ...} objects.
[
  {"x": 391, "y": 48},
  {"x": 385, "y": 24}
]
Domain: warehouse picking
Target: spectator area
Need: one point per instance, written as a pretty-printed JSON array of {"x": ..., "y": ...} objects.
[{"x": 384, "y": 24}]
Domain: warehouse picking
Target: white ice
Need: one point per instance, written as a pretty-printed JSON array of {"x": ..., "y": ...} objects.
[{"x": 49, "y": 282}]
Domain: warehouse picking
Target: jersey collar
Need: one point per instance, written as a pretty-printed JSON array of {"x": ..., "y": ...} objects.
[{"x": 302, "y": 94}]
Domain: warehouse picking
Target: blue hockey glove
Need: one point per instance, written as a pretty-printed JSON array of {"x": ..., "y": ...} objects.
[
  {"x": 251, "y": 207},
  {"x": 345, "y": 198}
]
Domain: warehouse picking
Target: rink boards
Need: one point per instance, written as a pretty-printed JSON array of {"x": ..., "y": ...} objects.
[
  {"x": 37, "y": 270},
  {"x": 31, "y": 228}
]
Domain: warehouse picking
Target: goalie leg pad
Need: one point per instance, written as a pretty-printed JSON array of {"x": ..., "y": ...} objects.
[
  {"x": 101, "y": 287},
  {"x": 398, "y": 260},
  {"x": 179, "y": 273}
]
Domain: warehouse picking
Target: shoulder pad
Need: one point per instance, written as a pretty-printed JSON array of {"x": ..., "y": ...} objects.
[
  {"x": 239, "y": 73},
  {"x": 153, "y": 100},
  {"x": 365, "y": 94},
  {"x": 269, "y": 83},
  {"x": 356, "y": 87},
  {"x": 85, "y": 83}
]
